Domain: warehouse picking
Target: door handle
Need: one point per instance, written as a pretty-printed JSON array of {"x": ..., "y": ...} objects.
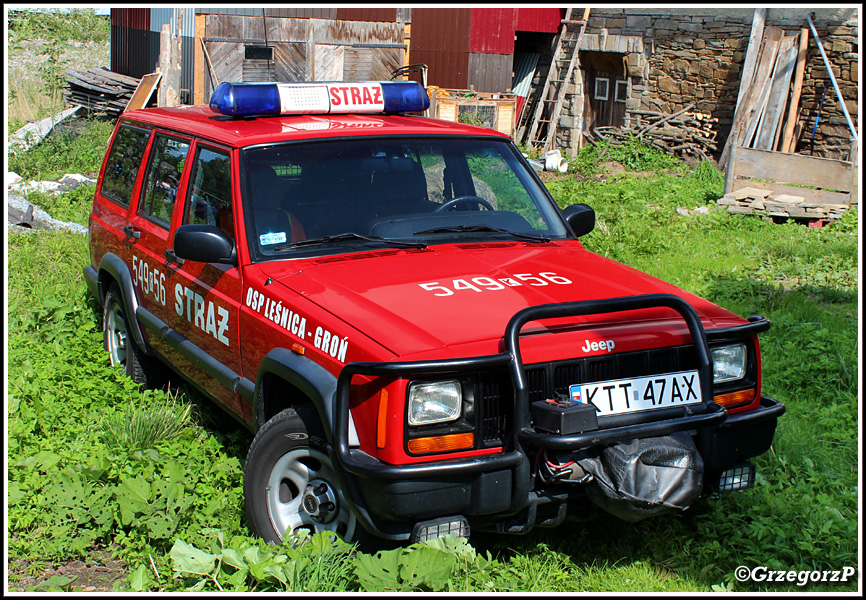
[
  {"x": 132, "y": 232},
  {"x": 170, "y": 255}
]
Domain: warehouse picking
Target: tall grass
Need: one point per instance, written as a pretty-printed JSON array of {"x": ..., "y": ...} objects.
[{"x": 144, "y": 422}]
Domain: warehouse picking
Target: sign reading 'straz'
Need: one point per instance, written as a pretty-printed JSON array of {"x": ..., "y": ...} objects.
[{"x": 356, "y": 96}]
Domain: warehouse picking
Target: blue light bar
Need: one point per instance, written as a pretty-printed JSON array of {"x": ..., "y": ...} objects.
[{"x": 262, "y": 99}]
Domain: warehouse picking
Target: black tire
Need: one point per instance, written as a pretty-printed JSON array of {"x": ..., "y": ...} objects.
[
  {"x": 122, "y": 350},
  {"x": 290, "y": 483}
]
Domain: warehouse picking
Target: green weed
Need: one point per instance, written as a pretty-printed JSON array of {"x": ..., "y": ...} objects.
[{"x": 141, "y": 424}]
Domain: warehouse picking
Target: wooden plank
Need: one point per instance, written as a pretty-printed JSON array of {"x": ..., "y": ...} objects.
[
  {"x": 793, "y": 108},
  {"x": 820, "y": 197},
  {"x": 752, "y": 52},
  {"x": 144, "y": 91},
  {"x": 787, "y": 55},
  {"x": 746, "y": 81},
  {"x": 811, "y": 171},
  {"x": 761, "y": 88},
  {"x": 198, "y": 62}
]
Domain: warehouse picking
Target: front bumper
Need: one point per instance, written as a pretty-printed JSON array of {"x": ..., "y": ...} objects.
[{"x": 389, "y": 499}]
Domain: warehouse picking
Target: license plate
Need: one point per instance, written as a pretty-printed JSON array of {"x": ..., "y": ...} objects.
[{"x": 620, "y": 396}]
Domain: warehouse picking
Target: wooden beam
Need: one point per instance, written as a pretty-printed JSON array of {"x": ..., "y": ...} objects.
[
  {"x": 198, "y": 94},
  {"x": 746, "y": 80},
  {"x": 757, "y": 100},
  {"x": 793, "y": 107},
  {"x": 144, "y": 91},
  {"x": 776, "y": 101}
]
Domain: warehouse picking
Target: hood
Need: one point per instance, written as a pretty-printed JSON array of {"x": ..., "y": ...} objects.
[{"x": 417, "y": 301}]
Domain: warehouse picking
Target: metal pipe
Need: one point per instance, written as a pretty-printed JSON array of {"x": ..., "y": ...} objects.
[{"x": 832, "y": 77}]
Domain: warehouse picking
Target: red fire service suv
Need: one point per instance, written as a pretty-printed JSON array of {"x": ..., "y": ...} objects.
[{"x": 400, "y": 312}]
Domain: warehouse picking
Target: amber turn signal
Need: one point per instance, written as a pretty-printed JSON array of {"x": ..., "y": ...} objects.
[
  {"x": 733, "y": 399},
  {"x": 442, "y": 443}
]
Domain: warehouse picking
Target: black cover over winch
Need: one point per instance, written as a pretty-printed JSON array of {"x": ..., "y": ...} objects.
[{"x": 645, "y": 477}]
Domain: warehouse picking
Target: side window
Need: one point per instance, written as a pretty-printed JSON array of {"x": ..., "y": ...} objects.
[
  {"x": 210, "y": 191},
  {"x": 167, "y": 158},
  {"x": 127, "y": 150}
]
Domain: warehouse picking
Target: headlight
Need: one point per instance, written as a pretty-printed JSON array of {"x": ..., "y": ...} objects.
[
  {"x": 434, "y": 402},
  {"x": 729, "y": 363}
]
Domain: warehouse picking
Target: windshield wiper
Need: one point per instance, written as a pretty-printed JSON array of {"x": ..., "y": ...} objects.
[
  {"x": 481, "y": 228},
  {"x": 348, "y": 236}
]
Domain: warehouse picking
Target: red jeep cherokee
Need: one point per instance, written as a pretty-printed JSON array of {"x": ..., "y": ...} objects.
[{"x": 398, "y": 309}]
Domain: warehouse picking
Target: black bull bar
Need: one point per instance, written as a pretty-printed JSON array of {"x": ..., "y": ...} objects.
[{"x": 702, "y": 417}]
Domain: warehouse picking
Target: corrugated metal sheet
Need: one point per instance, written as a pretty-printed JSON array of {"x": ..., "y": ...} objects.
[
  {"x": 492, "y": 30},
  {"x": 160, "y": 16},
  {"x": 132, "y": 18},
  {"x": 490, "y": 72},
  {"x": 544, "y": 20},
  {"x": 440, "y": 39},
  {"x": 130, "y": 51},
  {"x": 386, "y": 15},
  {"x": 524, "y": 70}
]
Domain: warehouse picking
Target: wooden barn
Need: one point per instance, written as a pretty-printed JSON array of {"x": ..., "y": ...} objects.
[{"x": 464, "y": 48}]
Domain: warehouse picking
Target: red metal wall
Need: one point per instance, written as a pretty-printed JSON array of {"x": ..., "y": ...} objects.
[
  {"x": 492, "y": 30},
  {"x": 543, "y": 20}
]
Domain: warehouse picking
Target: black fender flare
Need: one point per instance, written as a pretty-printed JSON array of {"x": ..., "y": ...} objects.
[
  {"x": 117, "y": 268},
  {"x": 312, "y": 379}
]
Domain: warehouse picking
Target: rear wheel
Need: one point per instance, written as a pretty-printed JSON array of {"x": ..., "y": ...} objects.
[
  {"x": 122, "y": 350},
  {"x": 290, "y": 485}
]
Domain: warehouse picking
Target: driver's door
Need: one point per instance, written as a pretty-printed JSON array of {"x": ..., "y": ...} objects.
[{"x": 206, "y": 296}]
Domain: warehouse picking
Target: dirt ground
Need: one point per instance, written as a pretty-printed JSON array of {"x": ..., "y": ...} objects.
[{"x": 97, "y": 574}]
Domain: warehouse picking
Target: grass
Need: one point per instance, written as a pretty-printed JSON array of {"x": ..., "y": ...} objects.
[
  {"x": 143, "y": 423},
  {"x": 82, "y": 477}
]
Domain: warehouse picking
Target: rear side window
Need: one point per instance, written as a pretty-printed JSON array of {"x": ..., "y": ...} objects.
[
  {"x": 167, "y": 161},
  {"x": 127, "y": 150}
]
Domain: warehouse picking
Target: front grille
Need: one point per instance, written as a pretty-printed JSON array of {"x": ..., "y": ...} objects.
[{"x": 494, "y": 391}]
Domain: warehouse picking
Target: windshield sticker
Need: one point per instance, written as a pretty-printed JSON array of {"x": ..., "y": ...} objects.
[
  {"x": 269, "y": 239},
  {"x": 482, "y": 284}
]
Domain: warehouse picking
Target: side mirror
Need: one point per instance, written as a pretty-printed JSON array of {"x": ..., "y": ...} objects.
[
  {"x": 204, "y": 243},
  {"x": 580, "y": 217}
]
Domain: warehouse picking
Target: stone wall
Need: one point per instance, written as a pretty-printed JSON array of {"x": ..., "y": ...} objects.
[{"x": 696, "y": 56}]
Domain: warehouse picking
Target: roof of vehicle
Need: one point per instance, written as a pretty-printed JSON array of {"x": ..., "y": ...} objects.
[{"x": 201, "y": 121}]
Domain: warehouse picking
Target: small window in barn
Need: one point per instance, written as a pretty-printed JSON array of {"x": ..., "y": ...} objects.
[
  {"x": 258, "y": 53},
  {"x": 621, "y": 91},
  {"x": 601, "y": 88}
]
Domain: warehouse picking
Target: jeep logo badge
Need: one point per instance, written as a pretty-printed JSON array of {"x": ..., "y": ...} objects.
[{"x": 596, "y": 346}]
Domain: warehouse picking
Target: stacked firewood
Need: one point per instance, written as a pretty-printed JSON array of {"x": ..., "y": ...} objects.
[
  {"x": 100, "y": 90},
  {"x": 683, "y": 134}
]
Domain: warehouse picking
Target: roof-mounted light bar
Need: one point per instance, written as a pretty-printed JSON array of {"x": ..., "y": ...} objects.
[{"x": 262, "y": 99}]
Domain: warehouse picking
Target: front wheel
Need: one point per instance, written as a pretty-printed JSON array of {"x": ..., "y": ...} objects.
[{"x": 290, "y": 485}]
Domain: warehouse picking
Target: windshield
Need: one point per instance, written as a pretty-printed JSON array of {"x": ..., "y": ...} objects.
[{"x": 329, "y": 197}]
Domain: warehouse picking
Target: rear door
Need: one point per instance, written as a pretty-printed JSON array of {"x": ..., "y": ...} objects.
[{"x": 150, "y": 227}]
